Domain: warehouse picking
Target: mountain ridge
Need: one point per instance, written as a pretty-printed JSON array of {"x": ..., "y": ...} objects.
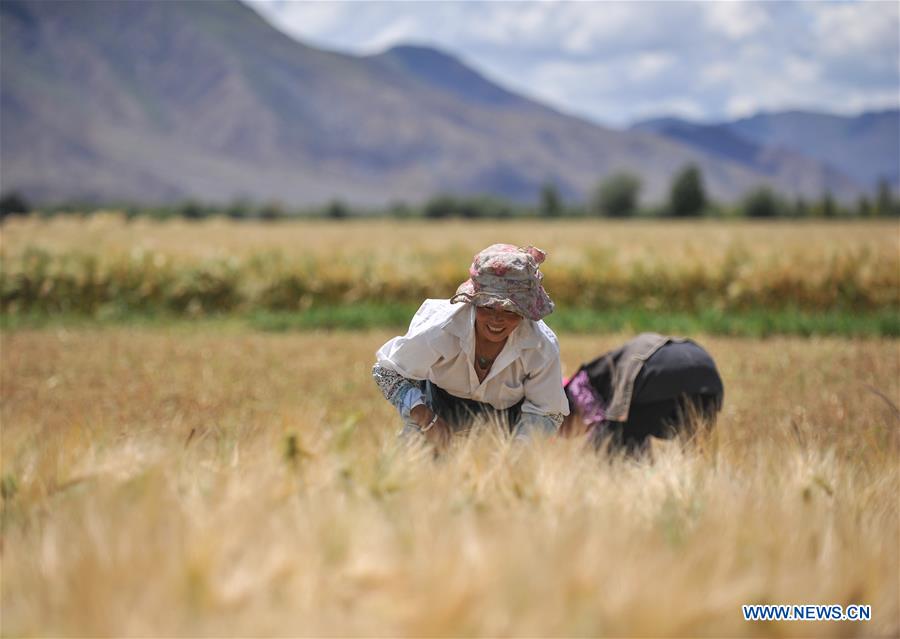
[
  {"x": 863, "y": 146},
  {"x": 157, "y": 101}
]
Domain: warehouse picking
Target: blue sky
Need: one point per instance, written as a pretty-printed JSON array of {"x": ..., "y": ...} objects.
[{"x": 616, "y": 62}]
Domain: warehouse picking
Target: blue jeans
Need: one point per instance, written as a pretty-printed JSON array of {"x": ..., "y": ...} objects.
[{"x": 461, "y": 413}]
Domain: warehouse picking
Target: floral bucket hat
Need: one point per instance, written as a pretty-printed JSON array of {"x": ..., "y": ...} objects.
[{"x": 507, "y": 276}]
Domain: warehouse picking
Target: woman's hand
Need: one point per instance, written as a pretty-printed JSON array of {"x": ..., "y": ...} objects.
[{"x": 438, "y": 435}]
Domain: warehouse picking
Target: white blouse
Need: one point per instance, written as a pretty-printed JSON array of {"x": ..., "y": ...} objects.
[{"x": 440, "y": 347}]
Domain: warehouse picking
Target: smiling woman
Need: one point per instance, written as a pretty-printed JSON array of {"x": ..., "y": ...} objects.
[{"x": 491, "y": 356}]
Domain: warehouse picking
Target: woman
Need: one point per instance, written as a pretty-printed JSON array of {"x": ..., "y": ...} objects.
[
  {"x": 654, "y": 385},
  {"x": 490, "y": 356}
]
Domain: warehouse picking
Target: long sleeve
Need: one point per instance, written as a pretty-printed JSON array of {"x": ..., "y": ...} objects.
[
  {"x": 412, "y": 355},
  {"x": 545, "y": 403},
  {"x": 404, "y": 394},
  {"x": 403, "y": 362}
]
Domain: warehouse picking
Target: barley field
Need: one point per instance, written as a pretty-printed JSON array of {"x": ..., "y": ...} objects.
[
  {"x": 105, "y": 262},
  {"x": 110, "y": 232},
  {"x": 181, "y": 483},
  {"x": 196, "y": 479}
]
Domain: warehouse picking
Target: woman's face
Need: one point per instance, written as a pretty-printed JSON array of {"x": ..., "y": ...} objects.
[{"x": 494, "y": 324}]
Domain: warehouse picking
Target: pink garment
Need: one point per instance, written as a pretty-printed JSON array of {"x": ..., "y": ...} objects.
[{"x": 587, "y": 401}]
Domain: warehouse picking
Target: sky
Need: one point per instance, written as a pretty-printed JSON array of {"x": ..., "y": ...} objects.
[{"x": 619, "y": 62}]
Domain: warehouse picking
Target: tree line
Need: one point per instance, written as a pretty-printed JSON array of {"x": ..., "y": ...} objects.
[{"x": 616, "y": 196}]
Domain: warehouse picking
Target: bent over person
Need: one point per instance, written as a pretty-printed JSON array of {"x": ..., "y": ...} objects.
[
  {"x": 484, "y": 353},
  {"x": 652, "y": 386}
]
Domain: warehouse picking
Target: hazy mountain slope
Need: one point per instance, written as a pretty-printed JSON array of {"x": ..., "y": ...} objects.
[
  {"x": 445, "y": 73},
  {"x": 865, "y": 147},
  {"x": 722, "y": 141},
  {"x": 150, "y": 100},
  {"x": 153, "y": 101}
]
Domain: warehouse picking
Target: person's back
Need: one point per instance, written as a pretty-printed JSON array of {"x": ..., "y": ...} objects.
[{"x": 653, "y": 385}]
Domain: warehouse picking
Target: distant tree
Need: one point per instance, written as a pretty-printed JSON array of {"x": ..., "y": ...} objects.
[
  {"x": 864, "y": 207},
  {"x": 444, "y": 206},
  {"x": 239, "y": 209},
  {"x": 801, "y": 207},
  {"x": 192, "y": 210},
  {"x": 687, "y": 197},
  {"x": 550, "y": 202},
  {"x": 885, "y": 203},
  {"x": 501, "y": 210},
  {"x": 400, "y": 210},
  {"x": 439, "y": 207},
  {"x": 617, "y": 195},
  {"x": 762, "y": 202},
  {"x": 498, "y": 208},
  {"x": 469, "y": 208},
  {"x": 161, "y": 212},
  {"x": 13, "y": 203},
  {"x": 337, "y": 210},
  {"x": 827, "y": 206},
  {"x": 272, "y": 211}
]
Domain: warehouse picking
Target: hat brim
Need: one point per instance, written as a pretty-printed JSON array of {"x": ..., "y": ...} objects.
[{"x": 534, "y": 305}]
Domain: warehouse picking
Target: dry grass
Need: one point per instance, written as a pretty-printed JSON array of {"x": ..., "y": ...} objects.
[{"x": 180, "y": 483}]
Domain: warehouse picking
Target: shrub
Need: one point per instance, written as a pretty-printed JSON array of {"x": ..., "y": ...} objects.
[
  {"x": 687, "y": 197},
  {"x": 13, "y": 203},
  {"x": 762, "y": 202},
  {"x": 617, "y": 195},
  {"x": 550, "y": 202}
]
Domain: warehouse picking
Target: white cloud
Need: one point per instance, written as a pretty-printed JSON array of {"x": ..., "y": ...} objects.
[
  {"x": 686, "y": 108},
  {"x": 577, "y": 80},
  {"x": 317, "y": 21},
  {"x": 592, "y": 30},
  {"x": 650, "y": 65},
  {"x": 802, "y": 70},
  {"x": 740, "y": 106},
  {"x": 403, "y": 30},
  {"x": 848, "y": 29},
  {"x": 736, "y": 20},
  {"x": 616, "y": 61},
  {"x": 716, "y": 73}
]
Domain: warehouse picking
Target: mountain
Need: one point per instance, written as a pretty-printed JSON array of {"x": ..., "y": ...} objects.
[
  {"x": 160, "y": 100},
  {"x": 865, "y": 148},
  {"x": 445, "y": 73}
]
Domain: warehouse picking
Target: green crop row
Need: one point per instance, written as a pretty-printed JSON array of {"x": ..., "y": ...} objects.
[{"x": 38, "y": 281}]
